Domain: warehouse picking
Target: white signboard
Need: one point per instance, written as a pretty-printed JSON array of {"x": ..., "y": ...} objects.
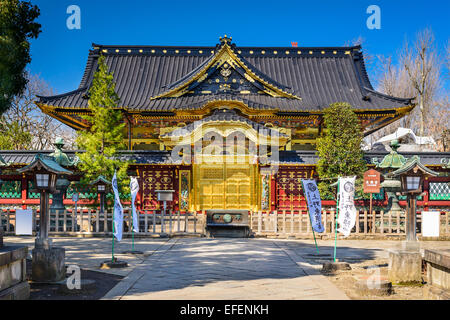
[
  {"x": 430, "y": 223},
  {"x": 24, "y": 222}
]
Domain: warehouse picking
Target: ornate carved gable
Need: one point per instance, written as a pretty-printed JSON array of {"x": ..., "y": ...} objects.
[{"x": 226, "y": 72}]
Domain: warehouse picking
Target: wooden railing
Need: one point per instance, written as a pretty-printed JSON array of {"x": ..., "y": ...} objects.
[
  {"x": 376, "y": 223},
  {"x": 91, "y": 222},
  {"x": 284, "y": 224}
]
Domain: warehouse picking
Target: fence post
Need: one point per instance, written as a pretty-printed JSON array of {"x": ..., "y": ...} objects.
[
  {"x": 105, "y": 221},
  {"x": 72, "y": 218},
  {"x": 398, "y": 222},
  {"x": 292, "y": 222},
  {"x": 284, "y": 221},
  {"x": 374, "y": 215},
  {"x": 259, "y": 222},
  {"x": 154, "y": 221},
  {"x": 57, "y": 220},
  {"x": 145, "y": 222},
  {"x": 97, "y": 221},
  {"x": 170, "y": 221},
  {"x": 34, "y": 213},
  {"x": 357, "y": 222},
  {"x": 8, "y": 220},
  {"x": 446, "y": 222},
  {"x": 64, "y": 221},
  {"x": 308, "y": 223},
  {"x": 325, "y": 222},
  {"x": 365, "y": 221},
  {"x": 275, "y": 221},
  {"x": 89, "y": 220},
  {"x": 333, "y": 219},
  {"x": 178, "y": 221},
  {"x": 195, "y": 222},
  {"x": 81, "y": 220}
]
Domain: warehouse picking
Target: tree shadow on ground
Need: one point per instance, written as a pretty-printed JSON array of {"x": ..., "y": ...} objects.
[{"x": 199, "y": 262}]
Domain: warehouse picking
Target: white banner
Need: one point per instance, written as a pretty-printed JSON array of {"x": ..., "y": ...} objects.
[
  {"x": 347, "y": 209},
  {"x": 24, "y": 222},
  {"x": 118, "y": 210},
  {"x": 134, "y": 188}
]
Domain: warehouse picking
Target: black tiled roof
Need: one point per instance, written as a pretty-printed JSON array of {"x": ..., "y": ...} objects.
[
  {"x": 320, "y": 76},
  {"x": 286, "y": 157}
]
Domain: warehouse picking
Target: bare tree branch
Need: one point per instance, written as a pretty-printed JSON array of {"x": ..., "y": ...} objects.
[{"x": 43, "y": 128}]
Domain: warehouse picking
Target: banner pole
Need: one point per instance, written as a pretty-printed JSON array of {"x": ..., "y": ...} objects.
[
  {"x": 132, "y": 236},
  {"x": 112, "y": 260},
  {"x": 337, "y": 215},
  {"x": 314, "y": 234}
]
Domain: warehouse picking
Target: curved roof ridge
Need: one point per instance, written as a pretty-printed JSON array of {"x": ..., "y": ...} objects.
[
  {"x": 361, "y": 62},
  {"x": 388, "y": 97},
  {"x": 89, "y": 68},
  {"x": 48, "y": 98},
  {"x": 95, "y": 45}
]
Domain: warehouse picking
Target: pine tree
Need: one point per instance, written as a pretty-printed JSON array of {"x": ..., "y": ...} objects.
[
  {"x": 106, "y": 134},
  {"x": 340, "y": 152}
]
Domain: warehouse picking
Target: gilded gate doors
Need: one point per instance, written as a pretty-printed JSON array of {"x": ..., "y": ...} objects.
[{"x": 225, "y": 184}]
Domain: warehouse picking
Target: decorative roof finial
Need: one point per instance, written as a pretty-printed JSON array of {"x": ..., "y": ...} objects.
[{"x": 225, "y": 40}]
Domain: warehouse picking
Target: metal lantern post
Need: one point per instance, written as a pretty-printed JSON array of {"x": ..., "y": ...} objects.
[{"x": 102, "y": 184}]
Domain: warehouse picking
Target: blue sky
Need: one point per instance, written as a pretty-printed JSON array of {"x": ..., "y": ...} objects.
[{"x": 59, "y": 54}]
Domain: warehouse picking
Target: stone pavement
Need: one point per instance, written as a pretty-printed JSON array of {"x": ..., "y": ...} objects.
[
  {"x": 224, "y": 269},
  {"x": 89, "y": 253},
  {"x": 216, "y": 269}
]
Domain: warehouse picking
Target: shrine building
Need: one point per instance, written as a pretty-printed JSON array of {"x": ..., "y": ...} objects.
[{"x": 174, "y": 96}]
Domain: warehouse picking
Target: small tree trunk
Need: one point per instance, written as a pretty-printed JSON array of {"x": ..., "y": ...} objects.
[{"x": 422, "y": 116}]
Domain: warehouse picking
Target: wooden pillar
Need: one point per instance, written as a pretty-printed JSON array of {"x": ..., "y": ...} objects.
[
  {"x": 273, "y": 193},
  {"x": 24, "y": 184}
]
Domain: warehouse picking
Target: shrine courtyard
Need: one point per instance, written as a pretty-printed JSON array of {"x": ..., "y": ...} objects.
[{"x": 233, "y": 269}]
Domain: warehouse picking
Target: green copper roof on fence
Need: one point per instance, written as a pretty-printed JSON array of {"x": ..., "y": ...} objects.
[
  {"x": 410, "y": 164},
  {"x": 47, "y": 162},
  {"x": 393, "y": 160},
  {"x": 2, "y": 162},
  {"x": 100, "y": 179}
]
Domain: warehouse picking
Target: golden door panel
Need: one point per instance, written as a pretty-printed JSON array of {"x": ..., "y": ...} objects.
[{"x": 225, "y": 187}]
